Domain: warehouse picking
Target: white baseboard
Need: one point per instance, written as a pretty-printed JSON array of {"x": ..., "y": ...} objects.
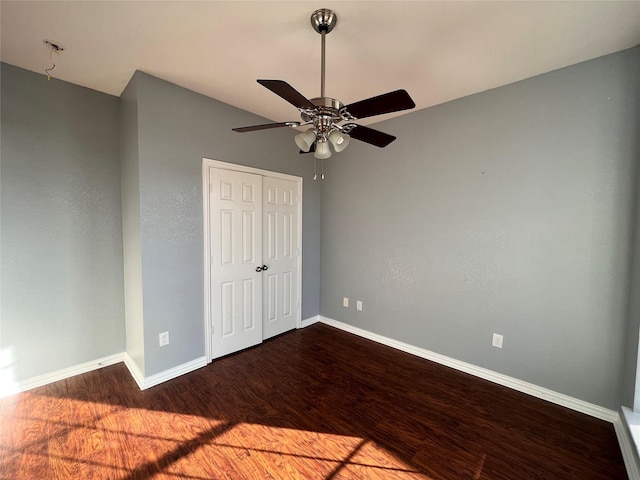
[
  {"x": 134, "y": 370},
  {"x": 309, "y": 321},
  {"x": 519, "y": 385},
  {"x": 148, "y": 382},
  {"x": 626, "y": 440},
  {"x": 142, "y": 381},
  {"x": 40, "y": 380}
]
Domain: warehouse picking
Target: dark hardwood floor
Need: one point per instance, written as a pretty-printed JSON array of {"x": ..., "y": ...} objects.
[{"x": 316, "y": 403}]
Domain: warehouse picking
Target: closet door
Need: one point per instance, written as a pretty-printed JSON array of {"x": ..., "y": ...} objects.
[
  {"x": 280, "y": 252},
  {"x": 235, "y": 209}
]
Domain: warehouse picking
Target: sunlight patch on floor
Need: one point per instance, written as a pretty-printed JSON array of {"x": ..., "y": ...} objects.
[
  {"x": 292, "y": 452},
  {"x": 102, "y": 440},
  {"x": 116, "y": 442}
]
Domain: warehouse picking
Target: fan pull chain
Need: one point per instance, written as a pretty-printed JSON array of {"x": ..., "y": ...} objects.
[
  {"x": 315, "y": 168},
  {"x": 322, "y": 169}
]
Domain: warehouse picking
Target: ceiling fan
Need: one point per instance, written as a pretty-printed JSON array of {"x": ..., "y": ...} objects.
[{"x": 326, "y": 114}]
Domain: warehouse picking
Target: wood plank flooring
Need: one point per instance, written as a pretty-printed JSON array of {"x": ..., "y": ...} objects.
[{"x": 316, "y": 403}]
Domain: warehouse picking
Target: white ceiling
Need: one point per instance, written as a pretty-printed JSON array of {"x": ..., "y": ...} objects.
[{"x": 436, "y": 50}]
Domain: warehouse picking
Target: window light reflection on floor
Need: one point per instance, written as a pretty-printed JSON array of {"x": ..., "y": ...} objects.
[{"x": 113, "y": 441}]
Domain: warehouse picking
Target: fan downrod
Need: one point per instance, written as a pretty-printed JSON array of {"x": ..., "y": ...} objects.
[{"x": 323, "y": 20}]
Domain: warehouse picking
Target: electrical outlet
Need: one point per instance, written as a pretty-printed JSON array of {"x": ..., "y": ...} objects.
[
  {"x": 345, "y": 302},
  {"x": 163, "y": 339},
  {"x": 359, "y": 305},
  {"x": 497, "y": 340}
]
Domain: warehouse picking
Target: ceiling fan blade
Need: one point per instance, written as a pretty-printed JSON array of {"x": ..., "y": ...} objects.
[
  {"x": 385, "y": 103},
  {"x": 264, "y": 126},
  {"x": 287, "y": 92},
  {"x": 369, "y": 135}
]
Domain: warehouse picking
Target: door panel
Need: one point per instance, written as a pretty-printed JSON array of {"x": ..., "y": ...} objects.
[
  {"x": 235, "y": 224},
  {"x": 249, "y": 300},
  {"x": 280, "y": 254}
]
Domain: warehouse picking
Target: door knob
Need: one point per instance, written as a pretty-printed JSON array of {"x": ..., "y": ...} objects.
[
  {"x": 260, "y": 269},
  {"x": 265, "y": 268}
]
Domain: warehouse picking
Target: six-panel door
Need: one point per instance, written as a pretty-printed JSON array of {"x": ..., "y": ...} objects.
[
  {"x": 255, "y": 250},
  {"x": 280, "y": 254},
  {"x": 236, "y": 252}
]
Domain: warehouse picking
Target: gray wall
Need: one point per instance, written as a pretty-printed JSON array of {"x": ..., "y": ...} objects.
[
  {"x": 61, "y": 264},
  {"x": 132, "y": 252},
  {"x": 176, "y": 129},
  {"x": 510, "y": 211},
  {"x": 631, "y": 372}
]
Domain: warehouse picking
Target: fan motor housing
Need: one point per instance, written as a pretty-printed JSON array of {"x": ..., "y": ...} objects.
[{"x": 324, "y": 106}]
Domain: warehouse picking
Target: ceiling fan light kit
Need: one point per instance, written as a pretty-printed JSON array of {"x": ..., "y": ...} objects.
[
  {"x": 326, "y": 115},
  {"x": 322, "y": 151},
  {"x": 339, "y": 140},
  {"x": 305, "y": 140}
]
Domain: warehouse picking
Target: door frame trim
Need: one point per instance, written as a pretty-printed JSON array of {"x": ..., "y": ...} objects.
[{"x": 206, "y": 164}]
